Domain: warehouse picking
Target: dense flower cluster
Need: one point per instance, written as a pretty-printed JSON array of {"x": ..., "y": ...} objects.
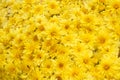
[{"x": 59, "y": 39}]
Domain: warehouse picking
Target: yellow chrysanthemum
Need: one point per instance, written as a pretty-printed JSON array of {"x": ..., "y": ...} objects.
[
  {"x": 108, "y": 67},
  {"x": 76, "y": 73},
  {"x": 69, "y": 39},
  {"x": 59, "y": 40},
  {"x": 53, "y": 31},
  {"x": 48, "y": 65},
  {"x": 38, "y": 9},
  {"x": 62, "y": 64},
  {"x": 103, "y": 38},
  {"x": 53, "y": 7},
  {"x": 116, "y": 4}
]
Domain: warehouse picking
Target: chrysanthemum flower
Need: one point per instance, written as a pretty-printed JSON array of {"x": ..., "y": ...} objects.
[
  {"x": 62, "y": 50},
  {"x": 108, "y": 67},
  {"x": 116, "y": 4},
  {"x": 76, "y": 73},
  {"x": 59, "y": 40},
  {"x": 31, "y": 47},
  {"x": 103, "y": 38},
  {"x": 48, "y": 65},
  {"x": 61, "y": 64},
  {"x": 53, "y": 7},
  {"x": 69, "y": 39},
  {"x": 38, "y": 9},
  {"x": 79, "y": 48},
  {"x": 53, "y": 31}
]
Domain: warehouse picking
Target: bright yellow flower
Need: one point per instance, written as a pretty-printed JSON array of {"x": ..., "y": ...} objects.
[
  {"x": 53, "y": 31},
  {"x": 108, "y": 67},
  {"x": 87, "y": 38},
  {"x": 48, "y": 43},
  {"x": 69, "y": 39},
  {"x": 59, "y": 39},
  {"x": 62, "y": 50},
  {"x": 31, "y": 47},
  {"x": 38, "y": 9},
  {"x": 103, "y": 38},
  {"x": 66, "y": 26},
  {"x": 35, "y": 75},
  {"x": 76, "y": 73},
  {"x": 10, "y": 68},
  {"x": 48, "y": 65},
  {"x": 61, "y": 64},
  {"x": 79, "y": 48},
  {"x": 85, "y": 60},
  {"x": 115, "y": 4},
  {"x": 53, "y": 7}
]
